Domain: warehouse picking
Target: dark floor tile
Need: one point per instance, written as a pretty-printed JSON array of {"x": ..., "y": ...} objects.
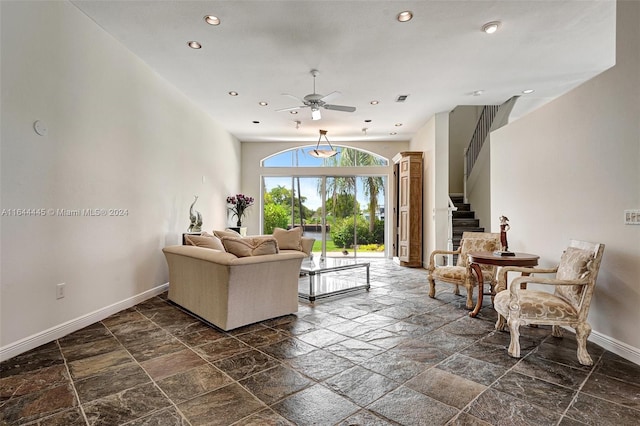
[
  {"x": 560, "y": 355},
  {"x": 168, "y": 365},
  {"x": 223, "y": 406},
  {"x": 125, "y": 406},
  {"x": 295, "y": 327},
  {"x": 245, "y": 364},
  {"x": 352, "y": 328},
  {"x": 553, "y": 372},
  {"x": 155, "y": 346},
  {"x": 471, "y": 327},
  {"x": 154, "y": 303},
  {"x": 220, "y": 349},
  {"x": 447, "y": 341},
  {"x": 535, "y": 391},
  {"x": 348, "y": 312},
  {"x": 407, "y": 329},
  {"x": 364, "y": 418},
  {"x": 98, "y": 364},
  {"x": 568, "y": 421},
  {"x": 135, "y": 333},
  {"x": 420, "y": 351},
  {"x": 38, "y": 404},
  {"x": 45, "y": 356},
  {"x": 266, "y": 417},
  {"x": 202, "y": 336},
  {"x": 127, "y": 315},
  {"x": 494, "y": 349},
  {"x": 316, "y": 405},
  {"x": 167, "y": 417},
  {"x": 376, "y": 320},
  {"x": 503, "y": 409},
  {"x": 85, "y": 350},
  {"x": 109, "y": 382},
  {"x": 262, "y": 337},
  {"x": 395, "y": 366},
  {"x": 360, "y": 385},
  {"x": 446, "y": 387},
  {"x": 620, "y": 369},
  {"x": 191, "y": 383},
  {"x": 408, "y": 407},
  {"x": 274, "y": 384},
  {"x": 464, "y": 419},
  {"x": 613, "y": 390},
  {"x": 288, "y": 348},
  {"x": 71, "y": 417},
  {"x": 354, "y": 350},
  {"x": 382, "y": 338},
  {"x": 21, "y": 384},
  {"x": 472, "y": 369},
  {"x": 319, "y": 364},
  {"x": 428, "y": 321},
  {"x": 598, "y": 412},
  {"x": 87, "y": 334},
  {"x": 322, "y": 338}
]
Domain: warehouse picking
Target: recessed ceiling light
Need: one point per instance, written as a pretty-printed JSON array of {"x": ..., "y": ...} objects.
[
  {"x": 367, "y": 121},
  {"x": 374, "y": 102},
  {"x": 405, "y": 16},
  {"x": 263, "y": 103},
  {"x": 393, "y": 133},
  {"x": 212, "y": 20},
  {"x": 293, "y": 112},
  {"x": 232, "y": 93},
  {"x": 194, "y": 45},
  {"x": 528, "y": 91},
  {"x": 255, "y": 122},
  {"x": 398, "y": 124},
  {"x": 491, "y": 27},
  {"x": 477, "y": 92}
]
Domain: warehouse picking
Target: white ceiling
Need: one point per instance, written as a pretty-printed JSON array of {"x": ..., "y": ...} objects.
[{"x": 263, "y": 49}]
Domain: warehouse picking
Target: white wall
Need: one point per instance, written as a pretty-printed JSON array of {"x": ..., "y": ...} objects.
[
  {"x": 569, "y": 170},
  {"x": 119, "y": 137},
  {"x": 254, "y": 152},
  {"x": 433, "y": 140},
  {"x": 462, "y": 123}
]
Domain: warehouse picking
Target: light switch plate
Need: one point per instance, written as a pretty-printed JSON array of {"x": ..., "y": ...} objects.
[{"x": 632, "y": 217}]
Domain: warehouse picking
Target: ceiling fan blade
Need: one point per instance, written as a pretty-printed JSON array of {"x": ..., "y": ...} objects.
[
  {"x": 291, "y": 109},
  {"x": 340, "y": 108},
  {"x": 330, "y": 96},
  {"x": 294, "y": 97}
]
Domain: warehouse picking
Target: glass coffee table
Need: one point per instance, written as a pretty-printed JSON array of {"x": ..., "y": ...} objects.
[{"x": 331, "y": 276}]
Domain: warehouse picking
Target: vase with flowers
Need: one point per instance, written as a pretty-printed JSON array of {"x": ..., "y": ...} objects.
[{"x": 238, "y": 204}]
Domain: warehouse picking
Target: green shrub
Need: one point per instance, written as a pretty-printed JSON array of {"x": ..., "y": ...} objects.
[
  {"x": 342, "y": 232},
  {"x": 275, "y": 215}
]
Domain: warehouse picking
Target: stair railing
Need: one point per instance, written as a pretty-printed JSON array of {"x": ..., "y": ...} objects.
[
  {"x": 450, "y": 209},
  {"x": 483, "y": 126}
]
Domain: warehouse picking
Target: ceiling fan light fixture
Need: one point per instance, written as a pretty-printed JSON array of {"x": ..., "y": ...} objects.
[
  {"x": 233, "y": 93},
  {"x": 374, "y": 102},
  {"x": 323, "y": 153},
  {"x": 293, "y": 112},
  {"x": 315, "y": 114},
  {"x": 528, "y": 91},
  {"x": 194, "y": 44},
  {"x": 491, "y": 27}
]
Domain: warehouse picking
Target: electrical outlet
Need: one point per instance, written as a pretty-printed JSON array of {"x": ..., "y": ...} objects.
[
  {"x": 632, "y": 217},
  {"x": 60, "y": 290}
]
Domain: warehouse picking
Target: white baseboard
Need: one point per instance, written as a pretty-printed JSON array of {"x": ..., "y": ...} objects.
[
  {"x": 617, "y": 347},
  {"x": 76, "y": 324}
]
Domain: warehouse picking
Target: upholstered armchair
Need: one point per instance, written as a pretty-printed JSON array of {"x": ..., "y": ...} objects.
[
  {"x": 569, "y": 304},
  {"x": 461, "y": 274}
]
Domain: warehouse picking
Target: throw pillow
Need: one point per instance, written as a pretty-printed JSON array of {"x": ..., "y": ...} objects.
[
  {"x": 227, "y": 233},
  {"x": 250, "y": 246},
  {"x": 289, "y": 240},
  {"x": 205, "y": 240}
]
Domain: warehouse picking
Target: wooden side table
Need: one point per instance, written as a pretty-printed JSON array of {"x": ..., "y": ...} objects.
[{"x": 477, "y": 258}]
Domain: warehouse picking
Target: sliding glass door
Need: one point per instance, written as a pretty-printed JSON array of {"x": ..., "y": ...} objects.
[{"x": 345, "y": 214}]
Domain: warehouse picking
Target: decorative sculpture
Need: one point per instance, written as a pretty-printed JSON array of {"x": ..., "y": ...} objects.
[
  {"x": 504, "y": 227},
  {"x": 195, "y": 217}
]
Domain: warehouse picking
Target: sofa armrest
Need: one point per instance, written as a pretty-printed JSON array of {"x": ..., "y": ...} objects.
[
  {"x": 307, "y": 245},
  {"x": 224, "y": 258}
]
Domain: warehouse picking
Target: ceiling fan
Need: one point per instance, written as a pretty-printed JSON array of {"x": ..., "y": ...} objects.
[{"x": 315, "y": 101}]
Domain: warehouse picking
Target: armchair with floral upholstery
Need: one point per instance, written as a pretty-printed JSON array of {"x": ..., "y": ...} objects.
[
  {"x": 569, "y": 305},
  {"x": 461, "y": 273}
]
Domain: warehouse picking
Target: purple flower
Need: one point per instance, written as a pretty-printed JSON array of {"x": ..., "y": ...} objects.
[{"x": 239, "y": 203}]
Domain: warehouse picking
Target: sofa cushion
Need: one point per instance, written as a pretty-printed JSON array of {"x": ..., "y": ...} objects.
[
  {"x": 289, "y": 240},
  {"x": 226, "y": 233},
  {"x": 250, "y": 246},
  {"x": 205, "y": 240}
]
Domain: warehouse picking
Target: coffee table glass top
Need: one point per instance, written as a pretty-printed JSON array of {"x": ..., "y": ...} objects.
[
  {"x": 330, "y": 263},
  {"x": 332, "y": 276}
]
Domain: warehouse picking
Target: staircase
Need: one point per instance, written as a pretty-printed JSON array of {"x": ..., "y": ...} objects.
[{"x": 464, "y": 219}]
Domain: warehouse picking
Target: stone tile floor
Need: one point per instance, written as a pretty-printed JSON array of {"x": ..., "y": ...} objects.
[{"x": 385, "y": 357}]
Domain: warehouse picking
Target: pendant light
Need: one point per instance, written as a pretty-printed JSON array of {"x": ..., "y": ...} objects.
[{"x": 323, "y": 153}]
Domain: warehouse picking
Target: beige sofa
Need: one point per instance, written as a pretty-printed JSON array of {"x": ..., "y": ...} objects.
[{"x": 230, "y": 291}]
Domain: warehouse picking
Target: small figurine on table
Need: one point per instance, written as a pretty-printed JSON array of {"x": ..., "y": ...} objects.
[{"x": 504, "y": 227}]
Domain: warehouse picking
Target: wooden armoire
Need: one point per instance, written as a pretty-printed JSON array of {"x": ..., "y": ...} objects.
[{"x": 407, "y": 171}]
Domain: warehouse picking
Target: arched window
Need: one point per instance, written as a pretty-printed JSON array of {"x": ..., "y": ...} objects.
[{"x": 346, "y": 157}]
